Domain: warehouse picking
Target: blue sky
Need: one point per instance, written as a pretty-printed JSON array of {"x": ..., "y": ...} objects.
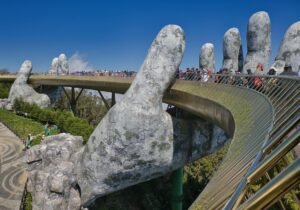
[{"x": 117, "y": 34}]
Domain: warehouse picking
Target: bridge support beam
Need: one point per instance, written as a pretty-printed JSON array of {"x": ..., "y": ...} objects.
[
  {"x": 104, "y": 100},
  {"x": 73, "y": 99},
  {"x": 113, "y": 100}
]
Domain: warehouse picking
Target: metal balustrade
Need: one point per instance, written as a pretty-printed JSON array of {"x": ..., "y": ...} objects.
[
  {"x": 266, "y": 130},
  {"x": 283, "y": 94}
]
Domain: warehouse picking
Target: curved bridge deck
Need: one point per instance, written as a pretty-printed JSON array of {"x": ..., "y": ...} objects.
[
  {"x": 247, "y": 127},
  {"x": 263, "y": 122}
]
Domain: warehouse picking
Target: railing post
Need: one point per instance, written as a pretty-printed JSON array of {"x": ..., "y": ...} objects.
[{"x": 177, "y": 190}]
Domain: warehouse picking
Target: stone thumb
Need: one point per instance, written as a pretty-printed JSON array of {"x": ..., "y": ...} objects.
[{"x": 24, "y": 72}]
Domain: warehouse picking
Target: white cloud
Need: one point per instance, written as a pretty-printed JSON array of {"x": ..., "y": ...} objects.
[{"x": 76, "y": 64}]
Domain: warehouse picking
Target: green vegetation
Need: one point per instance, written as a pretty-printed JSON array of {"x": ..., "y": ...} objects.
[
  {"x": 21, "y": 126},
  {"x": 151, "y": 195},
  {"x": 64, "y": 120},
  {"x": 88, "y": 107},
  {"x": 4, "y": 87},
  {"x": 27, "y": 201},
  {"x": 4, "y": 90},
  {"x": 289, "y": 200},
  {"x": 198, "y": 174}
]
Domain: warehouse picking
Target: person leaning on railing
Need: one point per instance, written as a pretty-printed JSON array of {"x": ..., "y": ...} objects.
[
  {"x": 258, "y": 81},
  {"x": 272, "y": 81},
  {"x": 238, "y": 79},
  {"x": 218, "y": 76},
  {"x": 250, "y": 79},
  {"x": 288, "y": 71},
  {"x": 205, "y": 74}
]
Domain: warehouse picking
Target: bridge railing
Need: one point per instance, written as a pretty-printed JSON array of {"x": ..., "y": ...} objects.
[{"x": 275, "y": 170}]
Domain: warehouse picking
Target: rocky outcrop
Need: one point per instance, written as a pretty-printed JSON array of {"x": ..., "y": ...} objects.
[
  {"x": 4, "y": 102},
  {"x": 20, "y": 88},
  {"x": 51, "y": 176},
  {"x": 231, "y": 50},
  {"x": 258, "y": 42},
  {"x": 289, "y": 53},
  {"x": 207, "y": 57}
]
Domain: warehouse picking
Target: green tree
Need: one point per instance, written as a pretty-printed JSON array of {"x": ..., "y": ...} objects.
[{"x": 89, "y": 107}]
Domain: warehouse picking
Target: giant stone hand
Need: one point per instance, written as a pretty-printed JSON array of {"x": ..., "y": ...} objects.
[
  {"x": 134, "y": 141},
  {"x": 20, "y": 88},
  {"x": 63, "y": 64},
  {"x": 54, "y": 66}
]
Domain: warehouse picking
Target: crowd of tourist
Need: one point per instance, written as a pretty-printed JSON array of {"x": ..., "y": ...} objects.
[
  {"x": 197, "y": 74},
  {"x": 124, "y": 73},
  {"x": 205, "y": 74},
  {"x": 257, "y": 79}
]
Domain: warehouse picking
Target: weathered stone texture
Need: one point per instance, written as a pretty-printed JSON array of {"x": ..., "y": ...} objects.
[
  {"x": 207, "y": 57},
  {"x": 195, "y": 138},
  {"x": 289, "y": 53},
  {"x": 54, "y": 66},
  {"x": 59, "y": 65},
  {"x": 231, "y": 50},
  {"x": 258, "y": 42},
  {"x": 63, "y": 67},
  {"x": 51, "y": 177},
  {"x": 20, "y": 88},
  {"x": 134, "y": 141}
]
